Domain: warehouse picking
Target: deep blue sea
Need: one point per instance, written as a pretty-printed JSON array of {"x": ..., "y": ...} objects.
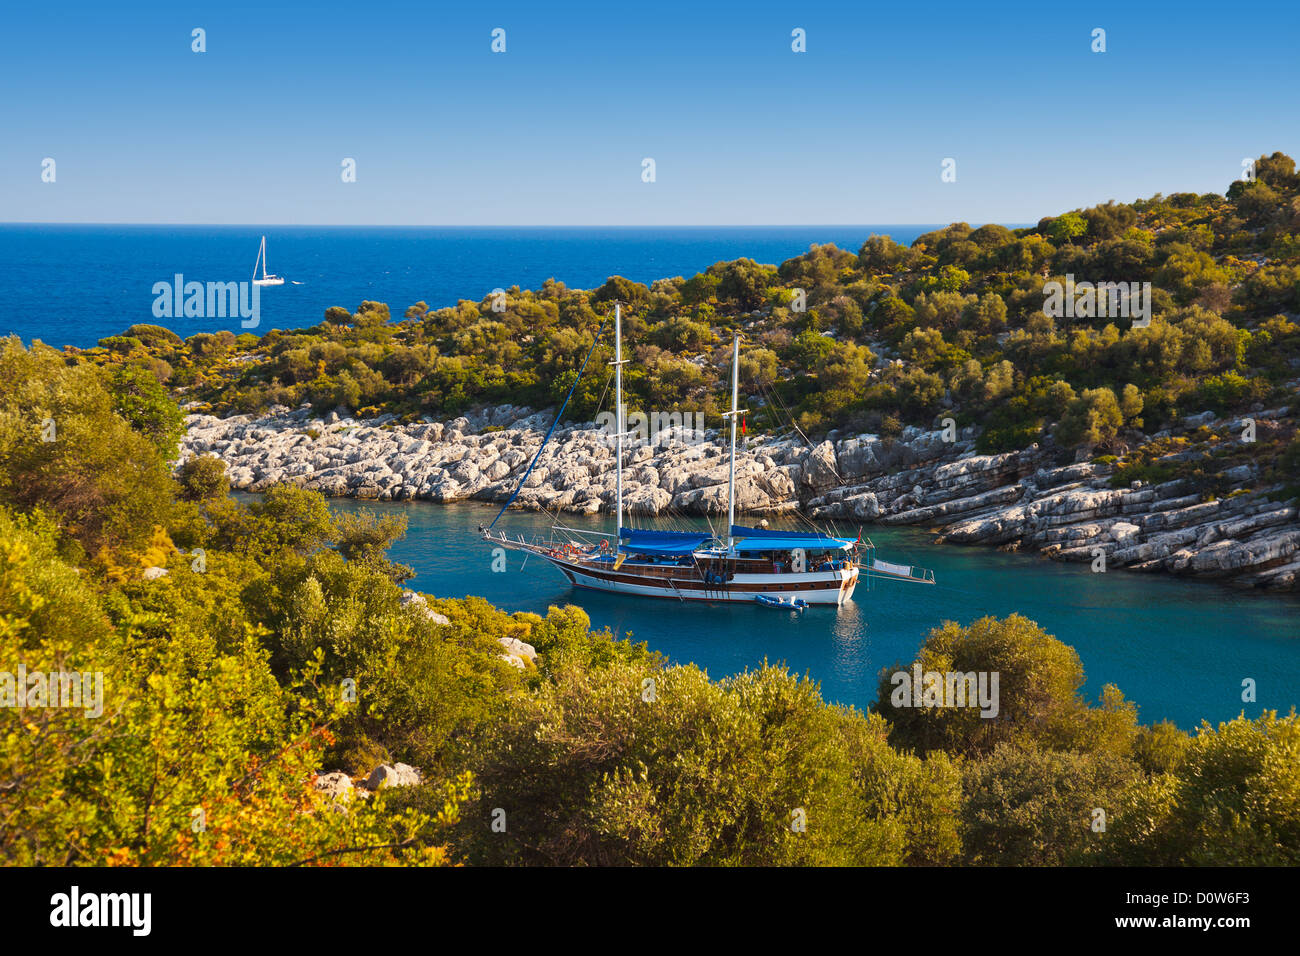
[{"x": 76, "y": 284}]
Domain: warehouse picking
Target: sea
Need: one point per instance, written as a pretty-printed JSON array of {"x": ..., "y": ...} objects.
[
  {"x": 1179, "y": 648},
  {"x": 77, "y": 284},
  {"x": 1182, "y": 649}
]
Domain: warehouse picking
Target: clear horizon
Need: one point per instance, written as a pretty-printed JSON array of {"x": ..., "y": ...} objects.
[
  {"x": 744, "y": 131},
  {"x": 506, "y": 225}
]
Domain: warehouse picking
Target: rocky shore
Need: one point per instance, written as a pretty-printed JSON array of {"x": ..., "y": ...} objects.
[{"x": 1028, "y": 499}]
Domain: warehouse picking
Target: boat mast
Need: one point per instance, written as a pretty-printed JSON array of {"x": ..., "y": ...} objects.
[
  {"x": 618, "y": 418},
  {"x": 264, "y": 257},
  {"x": 735, "y": 399}
]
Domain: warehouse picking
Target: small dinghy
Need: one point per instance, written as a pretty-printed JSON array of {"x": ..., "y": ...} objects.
[{"x": 790, "y": 604}]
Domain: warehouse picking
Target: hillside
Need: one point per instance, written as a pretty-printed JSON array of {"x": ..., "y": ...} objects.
[
  {"x": 243, "y": 663},
  {"x": 888, "y": 337},
  {"x": 923, "y": 385}
]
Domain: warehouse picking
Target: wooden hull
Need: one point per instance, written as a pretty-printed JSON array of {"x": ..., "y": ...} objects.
[{"x": 684, "y": 584}]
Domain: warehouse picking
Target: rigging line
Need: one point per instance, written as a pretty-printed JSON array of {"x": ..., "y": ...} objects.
[
  {"x": 790, "y": 417},
  {"x": 799, "y": 431},
  {"x": 601, "y": 404},
  {"x": 514, "y": 494},
  {"x": 774, "y": 399}
]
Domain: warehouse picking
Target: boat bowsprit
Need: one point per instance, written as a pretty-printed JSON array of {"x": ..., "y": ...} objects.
[{"x": 788, "y": 604}]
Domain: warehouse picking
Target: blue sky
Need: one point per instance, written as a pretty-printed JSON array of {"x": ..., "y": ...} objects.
[{"x": 743, "y": 131}]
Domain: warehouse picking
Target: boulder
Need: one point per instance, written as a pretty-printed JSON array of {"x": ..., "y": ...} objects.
[
  {"x": 336, "y": 785},
  {"x": 421, "y": 603},
  {"x": 1125, "y": 534},
  {"x": 820, "y": 470},
  {"x": 518, "y": 648},
  {"x": 397, "y": 775},
  {"x": 863, "y": 506}
]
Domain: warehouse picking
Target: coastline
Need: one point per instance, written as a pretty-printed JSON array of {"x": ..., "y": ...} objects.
[{"x": 1031, "y": 500}]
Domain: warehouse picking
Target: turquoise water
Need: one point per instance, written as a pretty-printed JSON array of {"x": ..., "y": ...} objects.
[{"x": 1178, "y": 648}]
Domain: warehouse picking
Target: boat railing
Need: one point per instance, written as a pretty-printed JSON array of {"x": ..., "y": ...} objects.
[
  {"x": 518, "y": 540},
  {"x": 900, "y": 572},
  {"x": 571, "y": 550}
]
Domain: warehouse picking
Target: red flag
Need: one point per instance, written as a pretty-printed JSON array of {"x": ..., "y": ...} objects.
[{"x": 742, "y": 426}]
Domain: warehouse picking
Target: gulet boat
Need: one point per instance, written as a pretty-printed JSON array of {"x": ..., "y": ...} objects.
[{"x": 768, "y": 566}]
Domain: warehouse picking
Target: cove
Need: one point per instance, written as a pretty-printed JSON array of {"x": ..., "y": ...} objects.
[{"x": 1178, "y": 648}]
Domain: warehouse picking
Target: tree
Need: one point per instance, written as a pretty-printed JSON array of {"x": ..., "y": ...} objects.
[
  {"x": 847, "y": 368},
  {"x": 1108, "y": 221},
  {"x": 1038, "y": 700},
  {"x": 421, "y": 685},
  {"x": 1066, "y": 228},
  {"x": 1277, "y": 171},
  {"x": 618, "y": 289},
  {"x": 365, "y": 536},
  {"x": 744, "y": 282},
  {"x": 1130, "y": 406},
  {"x": 992, "y": 235},
  {"x": 146, "y": 406},
  {"x": 881, "y": 255},
  {"x": 204, "y": 478},
  {"x": 1231, "y": 797},
  {"x": 64, "y": 448},
  {"x": 1025, "y": 806},
  {"x": 1092, "y": 419},
  {"x": 155, "y": 336},
  {"x": 286, "y": 519},
  {"x": 751, "y": 770},
  {"x": 990, "y": 314},
  {"x": 371, "y": 315},
  {"x": 164, "y": 763},
  {"x": 758, "y": 367}
]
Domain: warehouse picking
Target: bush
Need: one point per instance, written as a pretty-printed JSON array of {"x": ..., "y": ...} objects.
[
  {"x": 1038, "y": 700},
  {"x": 752, "y": 770},
  {"x": 68, "y": 447}
]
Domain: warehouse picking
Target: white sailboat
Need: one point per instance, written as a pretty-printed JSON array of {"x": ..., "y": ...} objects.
[
  {"x": 267, "y": 278},
  {"x": 775, "y": 568}
]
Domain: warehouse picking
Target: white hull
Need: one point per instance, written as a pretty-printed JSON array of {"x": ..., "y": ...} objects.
[{"x": 267, "y": 277}]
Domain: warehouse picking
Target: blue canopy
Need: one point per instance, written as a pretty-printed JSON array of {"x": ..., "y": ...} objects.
[
  {"x": 663, "y": 542},
  {"x": 764, "y": 539}
]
